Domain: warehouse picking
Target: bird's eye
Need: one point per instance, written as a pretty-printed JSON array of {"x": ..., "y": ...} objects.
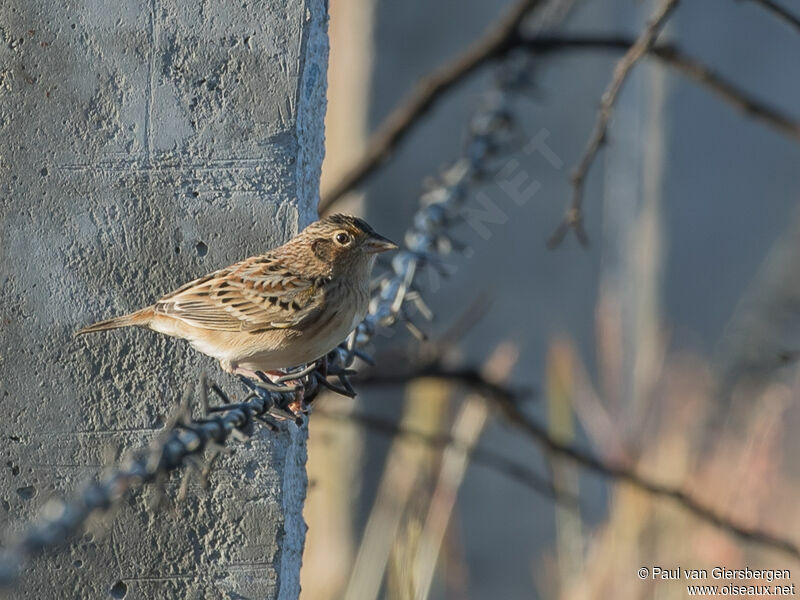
[{"x": 342, "y": 238}]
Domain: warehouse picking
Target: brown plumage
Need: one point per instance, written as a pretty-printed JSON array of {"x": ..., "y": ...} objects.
[{"x": 281, "y": 309}]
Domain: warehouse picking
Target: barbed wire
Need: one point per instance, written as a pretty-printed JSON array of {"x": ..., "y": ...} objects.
[
  {"x": 184, "y": 438},
  {"x": 426, "y": 241}
]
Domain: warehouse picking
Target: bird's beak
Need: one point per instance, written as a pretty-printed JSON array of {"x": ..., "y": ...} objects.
[{"x": 377, "y": 243}]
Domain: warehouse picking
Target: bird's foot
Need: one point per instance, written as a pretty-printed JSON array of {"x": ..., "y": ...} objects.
[
  {"x": 294, "y": 381},
  {"x": 291, "y": 391}
]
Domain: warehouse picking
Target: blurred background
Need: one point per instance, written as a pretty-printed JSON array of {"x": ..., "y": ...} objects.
[{"x": 666, "y": 345}]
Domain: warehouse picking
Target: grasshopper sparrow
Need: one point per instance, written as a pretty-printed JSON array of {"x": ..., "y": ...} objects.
[{"x": 281, "y": 309}]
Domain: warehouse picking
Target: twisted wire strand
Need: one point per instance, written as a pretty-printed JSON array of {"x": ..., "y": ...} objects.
[
  {"x": 428, "y": 239},
  {"x": 61, "y": 520},
  {"x": 426, "y": 242}
]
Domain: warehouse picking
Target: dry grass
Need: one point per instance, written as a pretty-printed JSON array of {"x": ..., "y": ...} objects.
[{"x": 741, "y": 471}]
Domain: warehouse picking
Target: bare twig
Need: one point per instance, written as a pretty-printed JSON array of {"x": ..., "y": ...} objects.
[
  {"x": 673, "y": 57},
  {"x": 487, "y": 458},
  {"x": 573, "y": 219},
  {"x": 467, "y": 376},
  {"x": 779, "y": 12},
  {"x": 539, "y": 434},
  {"x": 728, "y": 91},
  {"x": 509, "y": 407},
  {"x": 425, "y": 94}
]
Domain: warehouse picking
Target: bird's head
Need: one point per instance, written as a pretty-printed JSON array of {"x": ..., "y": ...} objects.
[{"x": 345, "y": 242}]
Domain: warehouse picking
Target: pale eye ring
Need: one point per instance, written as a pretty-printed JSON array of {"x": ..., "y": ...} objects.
[{"x": 342, "y": 238}]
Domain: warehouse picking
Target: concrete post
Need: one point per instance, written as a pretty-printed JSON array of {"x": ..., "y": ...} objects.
[{"x": 144, "y": 143}]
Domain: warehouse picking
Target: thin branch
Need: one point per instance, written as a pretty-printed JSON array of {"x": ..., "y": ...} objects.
[
  {"x": 671, "y": 56},
  {"x": 728, "y": 92},
  {"x": 622, "y": 473},
  {"x": 573, "y": 220},
  {"x": 493, "y": 460},
  {"x": 509, "y": 407},
  {"x": 781, "y": 13},
  {"x": 400, "y": 122},
  {"x": 467, "y": 376}
]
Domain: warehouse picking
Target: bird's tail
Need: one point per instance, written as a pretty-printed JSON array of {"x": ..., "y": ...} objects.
[{"x": 140, "y": 318}]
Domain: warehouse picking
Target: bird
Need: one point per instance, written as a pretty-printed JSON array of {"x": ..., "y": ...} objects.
[{"x": 278, "y": 310}]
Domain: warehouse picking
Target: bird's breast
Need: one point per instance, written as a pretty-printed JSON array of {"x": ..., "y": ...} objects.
[{"x": 343, "y": 308}]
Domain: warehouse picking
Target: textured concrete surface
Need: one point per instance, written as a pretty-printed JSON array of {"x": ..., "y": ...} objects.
[{"x": 146, "y": 142}]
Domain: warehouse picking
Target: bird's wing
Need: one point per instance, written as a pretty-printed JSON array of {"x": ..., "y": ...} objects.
[{"x": 257, "y": 294}]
